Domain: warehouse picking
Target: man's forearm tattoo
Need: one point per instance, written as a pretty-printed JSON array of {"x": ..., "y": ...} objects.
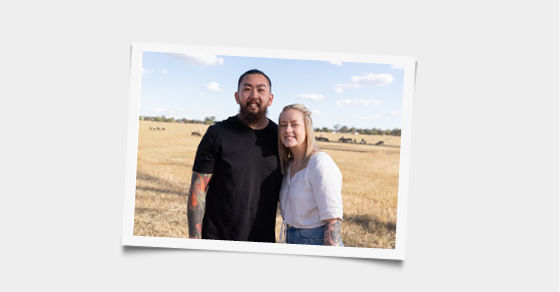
[
  {"x": 332, "y": 232},
  {"x": 197, "y": 202}
]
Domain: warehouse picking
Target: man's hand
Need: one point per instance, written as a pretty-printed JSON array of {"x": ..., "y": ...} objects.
[
  {"x": 332, "y": 232},
  {"x": 197, "y": 202}
]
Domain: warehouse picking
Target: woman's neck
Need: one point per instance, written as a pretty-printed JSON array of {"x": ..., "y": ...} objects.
[{"x": 297, "y": 154}]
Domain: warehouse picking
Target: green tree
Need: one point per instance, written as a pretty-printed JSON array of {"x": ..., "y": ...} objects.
[
  {"x": 336, "y": 127},
  {"x": 209, "y": 120}
]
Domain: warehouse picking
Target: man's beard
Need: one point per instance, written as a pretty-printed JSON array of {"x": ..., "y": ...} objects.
[{"x": 250, "y": 118}]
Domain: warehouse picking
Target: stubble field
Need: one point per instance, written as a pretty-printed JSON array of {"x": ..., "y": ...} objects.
[{"x": 369, "y": 192}]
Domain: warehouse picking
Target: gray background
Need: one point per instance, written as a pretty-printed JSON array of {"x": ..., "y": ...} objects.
[{"x": 483, "y": 201}]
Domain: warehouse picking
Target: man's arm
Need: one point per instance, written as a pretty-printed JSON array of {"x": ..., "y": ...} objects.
[
  {"x": 332, "y": 232},
  {"x": 197, "y": 202}
]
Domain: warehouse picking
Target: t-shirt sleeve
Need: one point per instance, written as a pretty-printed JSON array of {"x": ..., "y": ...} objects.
[
  {"x": 207, "y": 153},
  {"x": 326, "y": 181}
]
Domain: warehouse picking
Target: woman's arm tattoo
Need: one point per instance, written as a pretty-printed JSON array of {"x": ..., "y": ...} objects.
[
  {"x": 197, "y": 202},
  {"x": 332, "y": 232}
]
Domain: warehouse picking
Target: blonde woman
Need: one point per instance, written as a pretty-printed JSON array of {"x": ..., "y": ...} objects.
[{"x": 310, "y": 197}]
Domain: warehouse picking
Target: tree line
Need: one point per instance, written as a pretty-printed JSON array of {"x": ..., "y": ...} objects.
[
  {"x": 336, "y": 128},
  {"x": 207, "y": 120},
  {"x": 345, "y": 130}
]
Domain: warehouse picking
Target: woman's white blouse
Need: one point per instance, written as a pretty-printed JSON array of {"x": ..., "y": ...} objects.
[{"x": 313, "y": 194}]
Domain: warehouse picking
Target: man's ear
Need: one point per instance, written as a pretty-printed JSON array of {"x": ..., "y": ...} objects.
[
  {"x": 270, "y": 99},
  {"x": 236, "y": 97}
]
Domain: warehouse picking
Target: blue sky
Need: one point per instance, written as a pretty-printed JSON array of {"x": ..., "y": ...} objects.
[{"x": 361, "y": 95}]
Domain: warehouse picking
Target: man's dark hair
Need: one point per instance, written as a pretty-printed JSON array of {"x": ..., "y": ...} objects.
[{"x": 254, "y": 71}]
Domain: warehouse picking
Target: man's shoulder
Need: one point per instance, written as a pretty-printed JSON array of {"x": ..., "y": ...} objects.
[
  {"x": 224, "y": 124},
  {"x": 272, "y": 125}
]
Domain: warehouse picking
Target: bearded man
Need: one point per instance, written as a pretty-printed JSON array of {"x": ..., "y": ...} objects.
[{"x": 236, "y": 176}]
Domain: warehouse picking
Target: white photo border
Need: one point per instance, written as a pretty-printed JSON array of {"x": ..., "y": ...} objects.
[{"x": 128, "y": 239}]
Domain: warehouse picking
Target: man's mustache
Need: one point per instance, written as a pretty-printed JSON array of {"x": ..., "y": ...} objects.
[{"x": 250, "y": 102}]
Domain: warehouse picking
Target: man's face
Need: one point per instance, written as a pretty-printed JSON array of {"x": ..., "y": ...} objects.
[{"x": 254, "y": 97}]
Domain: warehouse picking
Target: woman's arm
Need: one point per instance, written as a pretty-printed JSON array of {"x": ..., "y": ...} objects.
[{"x": 332, "y": 232}]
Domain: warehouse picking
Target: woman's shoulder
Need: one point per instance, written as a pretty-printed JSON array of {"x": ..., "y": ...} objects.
[
  {"x": 323, "y": 165},
  {"x": 320, "y": 157}
]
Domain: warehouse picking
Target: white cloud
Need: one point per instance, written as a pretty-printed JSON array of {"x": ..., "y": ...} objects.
[
  {"x": 144, "y": 71},
  {"x": 395, "y": 113},
  {"x": 358, "y": 102},
  {"x": 374, "y": 117},
  {"x": 201, "y": 93},
  {"x": 213, "y": 86},
  {"x": 375, "y": 102},
  {"x": 338, "y": 63},
  {"x": 202, "y": 60},
  {"x": 395, "y": 66},
  {"x": 158, "y": 110},
  {"x": 370, "y": 80},
  {"x": 316, "y": 112},
  {"x": 311, "y": 96}
]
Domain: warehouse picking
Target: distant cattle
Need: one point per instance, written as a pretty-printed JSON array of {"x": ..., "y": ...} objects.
[
  {"x": 345, "y": 140},
  {"x": 379, "y": 143},
  {"x": 196, "y": 133},
  {"x": 324, "y": 139}
]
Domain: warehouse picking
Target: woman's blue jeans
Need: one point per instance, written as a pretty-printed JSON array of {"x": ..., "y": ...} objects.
[{"x": 311, "y": 236}]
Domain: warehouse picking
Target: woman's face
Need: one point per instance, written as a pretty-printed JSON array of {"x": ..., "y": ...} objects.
[{"x": 292, "y": 129}]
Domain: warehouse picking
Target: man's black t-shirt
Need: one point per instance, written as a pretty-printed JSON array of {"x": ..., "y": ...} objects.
[{"x": 246, "y": 178}]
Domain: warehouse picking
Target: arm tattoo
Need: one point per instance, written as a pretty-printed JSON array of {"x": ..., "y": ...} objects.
[
  {"x": 332, "y": 232},
  {"x": 197, "y": 202}
]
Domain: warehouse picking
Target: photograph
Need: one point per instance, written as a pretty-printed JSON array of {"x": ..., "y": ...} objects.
[{"x": 268, "y": 151}]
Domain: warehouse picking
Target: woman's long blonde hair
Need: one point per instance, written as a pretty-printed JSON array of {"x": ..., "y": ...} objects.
[{"x": 311, "y": 145}]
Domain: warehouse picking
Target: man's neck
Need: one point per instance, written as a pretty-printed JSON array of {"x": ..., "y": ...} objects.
[{"x": 263, "y": 123}]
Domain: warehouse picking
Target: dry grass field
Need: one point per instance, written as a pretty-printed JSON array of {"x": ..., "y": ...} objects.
[{"x": 370, "y": 183}]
